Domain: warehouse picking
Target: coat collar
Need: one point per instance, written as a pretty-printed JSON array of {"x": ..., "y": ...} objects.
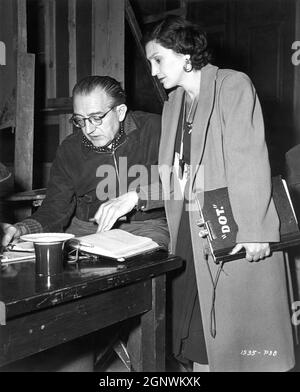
[
  {"x": 171, "y": 114},
  {"x": 202, "y": 116}
]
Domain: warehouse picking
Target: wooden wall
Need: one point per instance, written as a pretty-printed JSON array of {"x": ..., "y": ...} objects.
[
  {"x": 7, "y": 85},
  {"x": 72, "y": 39},
  {"x": 253, "y": 36},
  {"x": 7, "y": 72}
]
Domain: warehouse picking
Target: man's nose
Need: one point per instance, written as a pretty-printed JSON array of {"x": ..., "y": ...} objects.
[{"x": 89, "y": 127}]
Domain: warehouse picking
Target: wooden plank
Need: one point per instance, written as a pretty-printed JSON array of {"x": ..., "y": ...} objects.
[
  {"x": 50, "y": 48},
  {"x": 2, "y": 313},
  {"x": 24, "y": 121},
  {"x": 72, "y": 44},
  {"x": 50, "y": 119},
  {"x": 130, "y": 17},
  {"x": 2, "y": 53},
  {"x": 84, "y": 38},
  {"x": 156, "y": 17},
  {"x": 59, "y": 105},
  {"x": 296, "y": 98},
  {"x": 21, "y": 26},
  {"x": 65, "y": 128},
  {"x": 47, "y": 328},
  {"x": 108, "y": 38},
  {"x": 153, "y": 327}
]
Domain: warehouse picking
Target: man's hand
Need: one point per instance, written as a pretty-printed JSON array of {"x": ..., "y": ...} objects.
[
  {"x": 254, "y": 250},
  {"x": 9, "y": 233},
  {"x": 109, "y": 212}
]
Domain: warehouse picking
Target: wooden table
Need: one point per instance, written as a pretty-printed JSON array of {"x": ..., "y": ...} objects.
[{"x": 39, "y": 313}]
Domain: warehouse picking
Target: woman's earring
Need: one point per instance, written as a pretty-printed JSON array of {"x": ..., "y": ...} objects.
[{"x": 188, "y": 65}]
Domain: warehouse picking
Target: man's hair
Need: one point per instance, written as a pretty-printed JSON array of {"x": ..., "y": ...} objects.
[
  {"x": 182, "y": 36},
  {"x": 109, "y": 85}
]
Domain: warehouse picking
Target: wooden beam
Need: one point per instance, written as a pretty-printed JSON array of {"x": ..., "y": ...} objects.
[
  {"x": 296, "y": 109},
  {"x": 65, "y": 128},
  {"x": 156, "y": 17},
  {"x": 108, "y": 38},
  {"x": 24, "y": 121},
  {"x": 135, "y": 29},
  {"x": 59, "y": 105},
  {"x": 50, "y": 119},
  {"x": 21, "y": 26},
  {"x": 72, "y": 44},
  {"x": 50, "y": 48}
]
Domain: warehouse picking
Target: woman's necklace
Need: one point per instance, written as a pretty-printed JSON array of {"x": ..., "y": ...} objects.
[
  {"x": 186, "y": 127},
  {"x": 189, "y": 117}
]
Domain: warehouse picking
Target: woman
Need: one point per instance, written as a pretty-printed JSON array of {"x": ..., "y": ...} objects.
[{"x": 213, "y": 134}]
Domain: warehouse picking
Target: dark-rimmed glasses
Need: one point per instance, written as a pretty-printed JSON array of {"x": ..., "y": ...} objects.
[{"x": 95, "y": 119}]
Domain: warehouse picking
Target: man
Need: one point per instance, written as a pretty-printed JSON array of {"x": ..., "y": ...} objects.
[
  {"x": 88, "y": 179},
  {"x": 102, "y": 174}
]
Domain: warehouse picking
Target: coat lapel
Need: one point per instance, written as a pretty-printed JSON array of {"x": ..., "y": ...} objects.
[
  {"x": 202, "y": 116},
  {"x": 170, "y": 118}
]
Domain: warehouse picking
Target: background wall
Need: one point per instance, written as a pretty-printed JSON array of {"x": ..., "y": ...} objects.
[
  {"x": 7, "y": 82},
  {"x": 254, "y": 36}
]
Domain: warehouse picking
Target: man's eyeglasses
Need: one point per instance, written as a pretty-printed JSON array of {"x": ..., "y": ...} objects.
[{"x": 79, "y": 122}]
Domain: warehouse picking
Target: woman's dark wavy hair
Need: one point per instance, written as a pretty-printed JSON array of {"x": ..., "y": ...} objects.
[
  {"x": 109, "y": 85},
  {"x": 182, "y": 36}
]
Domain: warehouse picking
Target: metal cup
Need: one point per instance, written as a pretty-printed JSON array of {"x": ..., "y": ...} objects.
[{"x": 49, "y": 258}]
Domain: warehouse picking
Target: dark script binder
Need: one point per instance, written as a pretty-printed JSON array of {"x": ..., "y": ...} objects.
[{"x": 218, "y": 225}]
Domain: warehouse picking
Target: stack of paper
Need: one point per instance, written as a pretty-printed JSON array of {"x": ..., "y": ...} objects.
[{"x": 19, "y": 251}]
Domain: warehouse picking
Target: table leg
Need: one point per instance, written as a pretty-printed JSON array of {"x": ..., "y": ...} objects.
[{"x": 151, "y": 335}]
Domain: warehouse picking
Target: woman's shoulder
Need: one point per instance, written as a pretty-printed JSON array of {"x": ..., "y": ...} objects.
[{"x": 231, "y": 76}]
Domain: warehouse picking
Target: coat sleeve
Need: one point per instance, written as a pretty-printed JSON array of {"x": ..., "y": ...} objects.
[
  {"x": 58, "y": 206},
  {"x": 246, "y": 161}
]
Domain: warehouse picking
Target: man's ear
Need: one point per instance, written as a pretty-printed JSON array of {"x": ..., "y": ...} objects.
[{"x": 121, "y": 110}]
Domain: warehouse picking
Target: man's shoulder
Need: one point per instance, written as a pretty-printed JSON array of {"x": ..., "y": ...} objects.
[
  {"x": 142, "y": 122},
  {"x": 140, "y": 117},
  {"x": 69, "y": 147},
  {"x": 71, "y": 141}
]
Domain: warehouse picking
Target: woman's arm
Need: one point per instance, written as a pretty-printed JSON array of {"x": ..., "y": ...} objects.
[{"x": 247, "y": 165}]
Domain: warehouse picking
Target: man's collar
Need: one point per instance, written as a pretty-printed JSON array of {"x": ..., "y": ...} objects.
[{"x": 130, "y": 124}]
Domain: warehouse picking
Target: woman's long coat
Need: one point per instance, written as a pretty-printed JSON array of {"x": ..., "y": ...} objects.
[{"x": 253, "y": 324}]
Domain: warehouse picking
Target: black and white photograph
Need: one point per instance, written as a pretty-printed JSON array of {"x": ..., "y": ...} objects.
[{"x": 149, "y": 189}]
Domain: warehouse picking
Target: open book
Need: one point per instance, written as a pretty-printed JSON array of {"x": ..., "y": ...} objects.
[{"x": 116, "y": 243}]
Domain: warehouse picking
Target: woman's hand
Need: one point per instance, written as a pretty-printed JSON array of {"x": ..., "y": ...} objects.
[{"x": 254, "y": 250}]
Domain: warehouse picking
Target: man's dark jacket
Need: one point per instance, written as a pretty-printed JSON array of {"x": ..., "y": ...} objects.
[{"x": 78, "y": 175}]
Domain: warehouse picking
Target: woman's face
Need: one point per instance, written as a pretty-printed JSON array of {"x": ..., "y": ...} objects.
[{"x": 166, "y": 64}]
